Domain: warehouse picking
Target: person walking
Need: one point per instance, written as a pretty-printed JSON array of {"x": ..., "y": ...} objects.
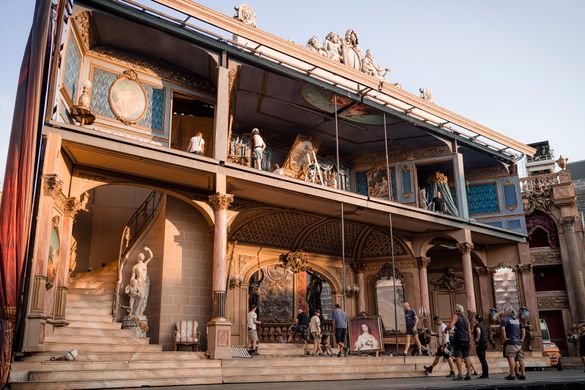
[
  {"x": 252, "y": 320},
  {"x": 340, "y": 326},
  {"x": 480, "y": 338},
  {"x": 461, "y": 342},
  {"x": 411, "y": 330},
  {"x": 315, "y": 327},
  {"x": 443, "y": 349},
  {"x": 582, "y": 344},
  {"x": 512, "y": 336}
]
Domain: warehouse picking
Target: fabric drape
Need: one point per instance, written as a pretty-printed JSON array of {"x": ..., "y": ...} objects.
[
  {"x": 17, "y": 195},
  {"x": 439, "y": 182}
]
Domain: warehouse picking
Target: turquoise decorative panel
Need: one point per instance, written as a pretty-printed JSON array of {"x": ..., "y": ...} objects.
[
  {"x": 361, "y": 181},
  {"x": 482, "y": 199},
  {"x": 393, "y": 184},
  {"x": 453, "y": 191},
  {"x": 153, "y": 117},
  {"x": 71, "y": 68},
  {"x": 510, "y": 198},
  {"x": 406, "y": 185},
  {"x": 101, "y": 82}
]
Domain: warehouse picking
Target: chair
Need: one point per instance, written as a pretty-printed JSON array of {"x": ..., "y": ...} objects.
[{"x": 186, "y": 334}]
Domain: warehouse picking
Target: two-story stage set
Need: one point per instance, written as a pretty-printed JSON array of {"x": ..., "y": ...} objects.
[{"x": 193, "y": 164}]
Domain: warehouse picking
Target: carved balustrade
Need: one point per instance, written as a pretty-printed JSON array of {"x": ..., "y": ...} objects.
[
  {"x": 279, "y": 332},
  {"x": 539, "y": 183}
]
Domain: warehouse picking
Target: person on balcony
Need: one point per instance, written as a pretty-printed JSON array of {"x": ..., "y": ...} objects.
[
  {"x": 258, "y": 148},
  {"x": 439, "y": 203},
  {"x": 197, "y": 144}
]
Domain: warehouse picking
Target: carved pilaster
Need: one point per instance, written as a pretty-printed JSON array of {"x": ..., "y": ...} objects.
[
  {"x": 219, "y": 299},
  {"x": 465, "y": 247},
  {"x": 359, "y": 266},
  {"x": 38, "y": 296},
  {"x": 221, "y": 201},
  {"x": 423, "y": 262},
  {"x": 60, "y": 306}
]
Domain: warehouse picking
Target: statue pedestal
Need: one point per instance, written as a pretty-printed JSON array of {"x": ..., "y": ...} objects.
[
  {"x": 138, "y": 324},
  {"x": 219, "y": 333}
]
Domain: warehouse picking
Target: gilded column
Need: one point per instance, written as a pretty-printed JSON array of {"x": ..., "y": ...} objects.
[
  {"x": 465, "y": 248},
  {"x": 576, "y": 270},
  {"x": 360, "y": 267},
  {"x": 220, "y": 203},
  {"x": 423, "y": 263}
]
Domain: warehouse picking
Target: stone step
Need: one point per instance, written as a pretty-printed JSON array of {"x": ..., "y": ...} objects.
[
  {"x": 91, "y": 356},
  {"x": 93, "y": 325},
  {"x": 89, "y": 303},
  {"x": 88, "y": 317},
  {"x": 93, "y": 284},
  {"x": 69, "y": 331},
  {"x": 106, "y": 311},
  {"x": 144, "y": 375},
  {"x": 91, "y": 291},
  {"x": 123, "y": 383},
  {"x": 98, "y": 340},
  {"x": 101, "y": 276},
  {"x": 20, "y": 367},
  {"x": 329, "y": 376},
  {"x": 73, "y": 297},
  {"x": 88, "y": 348}
]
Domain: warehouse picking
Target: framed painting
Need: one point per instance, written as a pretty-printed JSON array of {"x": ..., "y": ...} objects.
[
  {"x": 302, "y": 149},
  {"x": 365, "y": 335},
  {"x": 54, "y": 252},
  {"x": 127, "y": 98}
]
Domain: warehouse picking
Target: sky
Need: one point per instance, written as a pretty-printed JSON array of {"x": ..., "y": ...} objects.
[{"x": 516, "y": 66}]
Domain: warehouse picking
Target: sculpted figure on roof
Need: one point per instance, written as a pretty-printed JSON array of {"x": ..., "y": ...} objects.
[
  {"x": 332, "y": 46},
  {"x": 351, "y": 50},
  {"x": 315, "y": 46},
  {"x": 370, "y": 68}
]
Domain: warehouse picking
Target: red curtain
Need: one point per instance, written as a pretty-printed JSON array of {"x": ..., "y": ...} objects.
[{"x": 17, "y": 196}]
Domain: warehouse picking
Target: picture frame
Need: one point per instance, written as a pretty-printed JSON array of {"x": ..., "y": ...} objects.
[{"x": 365, "y": 335}]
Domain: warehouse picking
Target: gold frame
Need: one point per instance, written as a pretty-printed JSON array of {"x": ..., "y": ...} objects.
[
  {"x": 287, "y": 165},
  {"x": 132, "y": 76}
]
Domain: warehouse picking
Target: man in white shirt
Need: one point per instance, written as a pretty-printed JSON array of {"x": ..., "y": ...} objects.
[
  {"x": 252, "y": 320},
  {"x": 315, "y": 328},
  {"x": 197, "y": 144},
  {"x": 443, "y": 350},
  {"x": 258, "y": 146}
]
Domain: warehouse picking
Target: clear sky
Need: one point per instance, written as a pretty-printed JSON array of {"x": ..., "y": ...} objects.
[{"x": 516, "y": 66}]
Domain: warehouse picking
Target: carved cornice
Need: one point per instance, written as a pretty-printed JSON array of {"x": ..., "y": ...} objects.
[
  {"x": 71, "y": 207},
  {"x": 221, "y": 201},
  {"x": 553, "y": 302},
  {"x": 503, "y": 264},
  {"x": 423, "y": 262},
  {"x": 465, "y": 247},
  {"x": 52, "y": 185},
  {"x": 546, "y": 257}
]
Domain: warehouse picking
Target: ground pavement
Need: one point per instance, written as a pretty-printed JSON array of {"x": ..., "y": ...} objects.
[{"x": 569, "y": 379}]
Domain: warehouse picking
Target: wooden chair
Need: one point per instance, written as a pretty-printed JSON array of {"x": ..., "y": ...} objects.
[{"x": 186, "y": 333}]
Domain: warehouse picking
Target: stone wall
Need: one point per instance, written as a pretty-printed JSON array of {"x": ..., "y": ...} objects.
[{"x": 186, "y": 274}]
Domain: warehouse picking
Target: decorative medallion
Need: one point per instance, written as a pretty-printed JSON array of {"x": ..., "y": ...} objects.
[
  {"x": 246, "y": 15},
  {"x": 296, "y": 261},
  {"x": 127, "y": 98}
]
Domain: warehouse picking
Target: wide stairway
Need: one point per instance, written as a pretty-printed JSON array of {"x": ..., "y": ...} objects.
[{"x": 109, "y": 356}]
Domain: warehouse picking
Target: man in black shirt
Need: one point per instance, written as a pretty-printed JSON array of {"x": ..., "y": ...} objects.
[
  {"x": 439, "y": 203},
  {"x": 300, "y": 326}
]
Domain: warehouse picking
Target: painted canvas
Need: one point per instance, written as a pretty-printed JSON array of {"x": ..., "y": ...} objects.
[
  {"x": 53, "y": 258},
  {"x": 365, "y": 335},
  {"x": 127, "y": 100}
]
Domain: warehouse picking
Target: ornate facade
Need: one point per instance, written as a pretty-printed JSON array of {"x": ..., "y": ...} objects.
[{"x": 257, "y": 171}]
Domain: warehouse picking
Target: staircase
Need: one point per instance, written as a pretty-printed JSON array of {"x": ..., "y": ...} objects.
[{"x": 109, "y": 356}]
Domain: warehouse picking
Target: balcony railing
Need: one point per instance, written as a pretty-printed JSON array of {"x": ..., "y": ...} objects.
[{"x": 539, "y": 183}]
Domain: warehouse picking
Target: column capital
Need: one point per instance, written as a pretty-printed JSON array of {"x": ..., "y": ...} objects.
[
  {"x": 568, "y": 223},
  {"x": 71, "y": 207},
  {"x": 359, "y": 266},
  {"x": 221, "y": 201},
  {"x": 481, "y": 270},
  {"x": 423, "y": 261},
  {"x": 465, "y": 247},
  {"x": 524, "y": 268}
]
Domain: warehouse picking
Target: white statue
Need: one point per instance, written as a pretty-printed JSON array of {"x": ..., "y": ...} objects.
[
  {"x": 85, "y": 98},
  {"x": 332, "y": 47},
  {"x": 139, "y": 286},
  {"x": 314, "y": 46},
  {"x": 351, "y": 50},
  {"x": 426, "y": 94},
  {"x": 258, "y": 146},
  {"x": 370, "y": 68},
  {"x": 562, "y": 162}
]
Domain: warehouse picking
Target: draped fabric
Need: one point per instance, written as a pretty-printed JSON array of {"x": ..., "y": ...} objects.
[
  {"x": 439, "y": 182},
  {"x": 17, "y": 196}
]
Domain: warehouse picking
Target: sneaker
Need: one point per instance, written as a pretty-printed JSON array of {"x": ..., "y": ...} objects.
[
  {"x": 475, "y": 373},
  {"x": 338, "y": 354},
  {"x": 401, "y": 354},
  {"x": 483, "y": 377},
  {"x": 451, "y": 374},
  {"x": 510, "y": 377},
  {"x": 522, "y": 377},
  {"x": 428, "y": 369},
  {"x": 458, "y": 378},
  {"x": 467, "y": 377}
]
